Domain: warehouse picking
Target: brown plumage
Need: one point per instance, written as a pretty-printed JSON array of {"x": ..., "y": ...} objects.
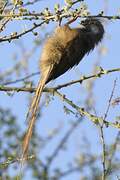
[{"x": 62, "y": 50}]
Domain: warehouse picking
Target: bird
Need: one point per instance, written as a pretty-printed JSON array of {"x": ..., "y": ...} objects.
[{"x": 62, "y": 50}]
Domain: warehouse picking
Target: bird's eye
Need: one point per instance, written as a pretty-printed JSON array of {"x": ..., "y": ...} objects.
[{"x": 94, "y": 29}]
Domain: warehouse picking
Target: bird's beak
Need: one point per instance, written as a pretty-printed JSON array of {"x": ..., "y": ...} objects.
[{"x": 81, "y": 26}]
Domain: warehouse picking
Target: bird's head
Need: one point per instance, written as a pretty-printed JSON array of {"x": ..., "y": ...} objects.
[{"x": 94, "y": 28}]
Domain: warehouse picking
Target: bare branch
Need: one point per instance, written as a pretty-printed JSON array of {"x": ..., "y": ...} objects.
[{"x": 83, "y": 78}]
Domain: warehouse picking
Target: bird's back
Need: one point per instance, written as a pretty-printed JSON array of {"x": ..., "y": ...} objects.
[{"x": 64, "y": 49}]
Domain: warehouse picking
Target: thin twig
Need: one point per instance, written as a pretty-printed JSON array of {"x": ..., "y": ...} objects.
[
  {"x": 95, "y": 119},
  {"x": 17, "y": 36},
  {"x": 47, "y": 19},
  {"x": 21, "y": 79},
  {"x": 92, "y": 117},
  {"x": 117, "y": 140},
  {"x": 102, "y": 133},
  {"x": 83, "y": 78},
  {"x": 103, "y": 153},
  {"x": 110, "y": 99},
  {"x": 66, "y": 14},
  {"x": 14, "y": 160}
]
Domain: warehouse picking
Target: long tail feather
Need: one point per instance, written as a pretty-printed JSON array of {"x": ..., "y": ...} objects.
[{"x": 32, "y": 113}]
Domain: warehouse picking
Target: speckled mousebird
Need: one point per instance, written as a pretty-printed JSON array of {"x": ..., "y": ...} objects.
[{"x": 64, "y": 49}]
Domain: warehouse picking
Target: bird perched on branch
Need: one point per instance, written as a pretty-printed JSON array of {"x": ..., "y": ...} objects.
[{"x": 64, "y": 49}]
